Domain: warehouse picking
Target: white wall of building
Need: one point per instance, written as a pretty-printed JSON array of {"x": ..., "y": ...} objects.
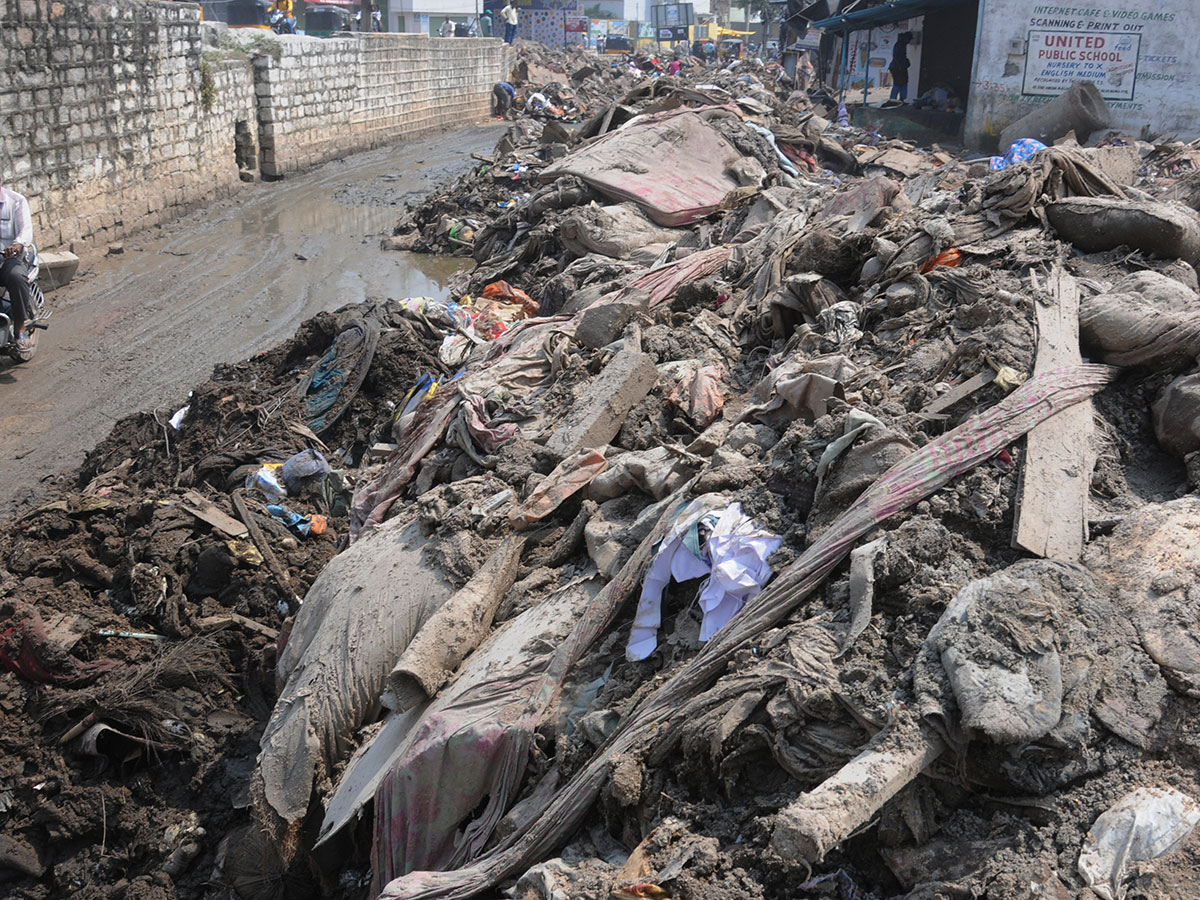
[
  {"x": 1143, "y": 55},
  {"x": 637, "y": 10}
]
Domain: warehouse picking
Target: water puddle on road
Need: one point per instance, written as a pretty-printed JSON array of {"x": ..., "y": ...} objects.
[{"x": 422, "y": 275}]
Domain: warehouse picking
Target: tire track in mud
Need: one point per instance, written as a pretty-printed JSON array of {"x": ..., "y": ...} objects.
[{"x": 137, "y": 331}]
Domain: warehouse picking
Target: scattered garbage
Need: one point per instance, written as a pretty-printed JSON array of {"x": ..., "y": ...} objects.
[{"x": 769, "y": 508}]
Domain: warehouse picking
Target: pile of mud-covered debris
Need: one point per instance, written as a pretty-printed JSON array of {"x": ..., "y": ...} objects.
[{"x": 771, "y": 511}]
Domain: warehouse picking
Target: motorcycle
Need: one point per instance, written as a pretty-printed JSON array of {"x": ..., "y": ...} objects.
[
  {"x": 282, "y": 24},
  {"x": 41, "y": 316}
]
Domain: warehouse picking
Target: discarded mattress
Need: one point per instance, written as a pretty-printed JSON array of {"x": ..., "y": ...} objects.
[
  {"x": 1171, "y": 231},
  {"x": 676, "y": 167}
]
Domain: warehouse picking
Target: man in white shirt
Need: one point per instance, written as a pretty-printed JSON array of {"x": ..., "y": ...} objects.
[
  {"x": 446, "y": 29},
  {"x": 509, "y": 17},
  {"x": 16, "y": 255}
]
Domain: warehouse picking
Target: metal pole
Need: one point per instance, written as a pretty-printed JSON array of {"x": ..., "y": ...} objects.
[
  {"x": 867, "y": 67},
  {"x": 845, "y": 66}
]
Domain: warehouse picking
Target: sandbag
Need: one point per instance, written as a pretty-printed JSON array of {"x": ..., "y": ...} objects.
[
  {"x": 619, "y": 232},
  {"x": 1177, "y": 416},
  {"x": 356, "y": 621},
  {"x": 1146, "y": 319},
  {"x": 1169, "y": 231}
]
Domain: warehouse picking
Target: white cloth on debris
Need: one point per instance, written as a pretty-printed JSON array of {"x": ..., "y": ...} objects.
[{"x": 727, "y": 546}]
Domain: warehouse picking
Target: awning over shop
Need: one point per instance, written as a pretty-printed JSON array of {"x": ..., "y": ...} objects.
[{"x": 884, "y": 14}]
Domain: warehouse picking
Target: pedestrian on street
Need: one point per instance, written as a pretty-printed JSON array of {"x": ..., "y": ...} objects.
[
  {"x": 899, "y": 67},
  {"x": 509, "y": 16},
  {"x": 16, "y": 245},
  {"x": 485, "y": 24}
]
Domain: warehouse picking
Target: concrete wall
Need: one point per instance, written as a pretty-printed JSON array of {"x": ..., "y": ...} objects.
[
  {"x": 114, "y": 117},
  {"x": 98, "y": 124},
  {"x": 1143, "y": 56},
  {"x": 323, "y": 98}
]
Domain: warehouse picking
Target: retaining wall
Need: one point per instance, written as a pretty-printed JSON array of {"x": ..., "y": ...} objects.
[
  {"x": 322, "y": 98},
  {"x": 116, "y": 116}
]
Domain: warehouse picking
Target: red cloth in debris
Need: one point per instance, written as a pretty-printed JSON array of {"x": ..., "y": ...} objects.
[{"x": 25, "y": 650}]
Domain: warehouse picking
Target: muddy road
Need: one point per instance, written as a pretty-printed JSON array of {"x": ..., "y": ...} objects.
[{"x": 137, "y": 330}]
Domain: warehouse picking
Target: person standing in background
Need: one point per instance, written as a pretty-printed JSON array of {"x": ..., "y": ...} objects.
[
  {"x": 509, "y": 17},
  {"x": 899, "y": 67}
]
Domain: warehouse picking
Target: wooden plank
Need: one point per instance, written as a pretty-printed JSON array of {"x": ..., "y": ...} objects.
[
  {"x": 900, "y": 161},
  {"x": 256, "y": 535},
  {"x": 207, "y": 511},
  {"x": 214, "y": 623},
  {"x": 1051, "y": 511},
  {"x": 952, "y": 396}
]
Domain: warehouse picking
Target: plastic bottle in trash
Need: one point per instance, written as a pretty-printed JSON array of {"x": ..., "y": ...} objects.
[{"x": 267, "y": 481}]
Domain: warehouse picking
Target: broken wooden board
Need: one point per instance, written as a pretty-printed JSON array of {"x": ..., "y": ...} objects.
[
  {"x": 952, "y": 396},
  {"x": 64, "y": 629},
  {"x": 216, "y": 623},
  {"x": 207, "y": 511},
  {"x": 1051, "y": 511},
  {"x": 900, "y": 161}
]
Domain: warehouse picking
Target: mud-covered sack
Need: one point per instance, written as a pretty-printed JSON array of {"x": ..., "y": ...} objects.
[
  {"x": 1177, "y": 416},
  {"x": 620, "y": 232},
  {"x": 357, "y": 620},
  {"x": 1146, "y": 319},
  {"x": 1170, "y": 231}
]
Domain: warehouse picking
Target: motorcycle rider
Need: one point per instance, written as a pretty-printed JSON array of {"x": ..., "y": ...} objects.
[
  {"x": 16, "y": 246},
  {"x": 289, "y": 17}
]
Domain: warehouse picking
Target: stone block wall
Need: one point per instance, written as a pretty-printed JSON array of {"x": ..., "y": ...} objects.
[
  {"x": 230, "y": 120},
  {"x": 99, "y": 129},
  {"x": 114, "y": 118},
  {"x": 411, "y": 83},
  {"x": 323, "y": 98},
  {"x": 306, "y": 101}
]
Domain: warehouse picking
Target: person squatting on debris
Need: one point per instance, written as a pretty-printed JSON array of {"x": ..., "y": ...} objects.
[
  {"x": 16, "y": 239},
  {"x": 899, "y": 67},
  {"x": 509, "y": 15},
  {"x": 503, "y": 95}
]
